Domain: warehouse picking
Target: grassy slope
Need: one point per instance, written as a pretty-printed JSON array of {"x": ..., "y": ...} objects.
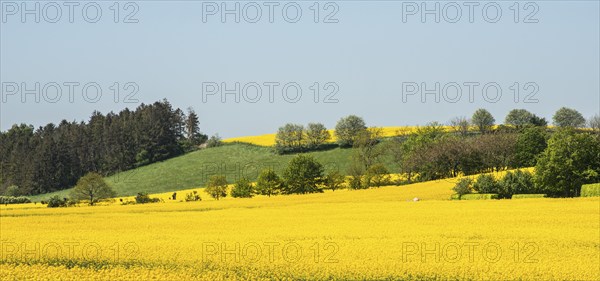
[{"x": 193, "y": 169}]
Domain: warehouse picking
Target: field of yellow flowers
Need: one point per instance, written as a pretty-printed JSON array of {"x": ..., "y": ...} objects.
[
  {"x": 366, "y": 234},
  {"x": 269, "y": 139}
]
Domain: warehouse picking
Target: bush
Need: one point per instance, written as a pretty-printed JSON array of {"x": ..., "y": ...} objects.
[
  {"x": 14, "y": 200},
  {"x": 377, "y": 176},
  {"x": 268, "y": 183},
  {"x": 462, "y": 187},
  {"x": 518, "y": 182},
  {"x": 355, "y": 179},
  {"x": 192, "y": 196},
  {"x": 55, "y": 202},
  {"x": 524, "y": 196},
  {"x": 143, "y": 198},
  {"x": 242, "y": 188},
  {"x": 334, "y": 180},
  {"x": 214, "y": 141},
  {"x": 486, "y": 184},
  {"x": 217, "y": 186},
  {"x": 590, "y": 190},
  {"x": 12, "y": 191},
  {"x": 303, "y": 174},
  {"x": 479, "y": 196}
]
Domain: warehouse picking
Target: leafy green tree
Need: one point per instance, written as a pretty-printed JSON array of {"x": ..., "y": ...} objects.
[
  {"x": 463, "y": 186},
  {"x": 531, "y": 142},
  {"x": 217, "y": 186},
  {"x": 571, "y": 160},
  {"x": 366, "y": 151},
  {"x": 356, "y": 173},
  {"x": 334, "y": 180},
  {"x": 12, "y": 190},
  {"x": 518, "y": 118},
  {"x": 316, "y": 135},
  {"x": 242, "y": 188},
  {"x": 483, "y": 120},
  {"x": 302, "y": 175},
  {"x": 567, "y": 117},
  {"x": 268, "y": 183},
  {"x": 214, "y": 141},
  {"x": 192, "y": 128},
  {"x": 486, "y": 184},
  {"x": 289, "y": 138},
  {"x": 518, "y": 182},
  {"x": 348, "y": 128},
  {"x": 92, "y": 187},
  {"x": 377, "y": 176},
  {"x": 538, "y": 121}
]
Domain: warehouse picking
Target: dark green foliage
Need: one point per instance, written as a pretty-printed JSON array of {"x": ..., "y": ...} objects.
[
  {"x": 214, "y": 141},
  {"x": 217, "y": 186},
  {"x": 348, "y": 128},
  {"x": 518, "y": 182},
  {"x": 483, "y": 120},
  {"x": 571, "y": 160},
  {"x": 302, "y": 175},
  {"x": 479, "y": 196},
  {"x": 143, "y": 198},
  {"x": 268, "y": 183},
  {"x": 52, "y": 158},
  {"x": 56, "y": 201},
  {"x": 192, "y": 196},
  {"x": 290, "y": 138},
  {"x": 242, "y": 188},
  {"x": 14, "y": 200},
  {"x": 377, "y": 176},
  {"x": 356, "y": 173},
  {"x": 334, "y": 180},
  {"x": 531, "y": 142},
  {"x": 486, "y": 184},
  {"x": 93, "y": 188},
  {"x": 463, "y": 186},
  {"x": 568, "y": 118},
  {"x": 12, "y": 190}
]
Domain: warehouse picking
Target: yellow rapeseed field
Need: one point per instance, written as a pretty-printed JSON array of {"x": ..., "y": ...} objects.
[
  {"x": 269, "y": 139},
  {"x": 366, "y": 234}
]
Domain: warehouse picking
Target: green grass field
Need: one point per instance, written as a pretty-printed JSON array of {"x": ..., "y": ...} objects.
[{"x": 193, "y": 169}]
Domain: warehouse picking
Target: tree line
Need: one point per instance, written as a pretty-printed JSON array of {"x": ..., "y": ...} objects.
[{"x": 54, "y": 157}]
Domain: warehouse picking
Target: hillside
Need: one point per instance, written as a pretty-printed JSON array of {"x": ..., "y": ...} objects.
[{"x": 193, "y": 169}]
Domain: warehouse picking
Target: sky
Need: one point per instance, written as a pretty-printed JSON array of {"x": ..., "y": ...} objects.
[{"x": 391, "y": 62}]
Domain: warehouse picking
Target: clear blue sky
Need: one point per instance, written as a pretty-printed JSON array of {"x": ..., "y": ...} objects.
[{"x": 369, "y": 53}]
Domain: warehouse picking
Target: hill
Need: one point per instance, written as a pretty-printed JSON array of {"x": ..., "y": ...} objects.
[{"x": 193, "y": 169}]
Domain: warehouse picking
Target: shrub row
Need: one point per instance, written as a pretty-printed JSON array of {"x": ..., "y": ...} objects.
[
  {"x": 14, "y": 200},
  {"x": 479, "y": 196},
  {"x": 590, "y": 190},
  {"x": 518, "y": 182},
  {"x": 524, "y": 196}
]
